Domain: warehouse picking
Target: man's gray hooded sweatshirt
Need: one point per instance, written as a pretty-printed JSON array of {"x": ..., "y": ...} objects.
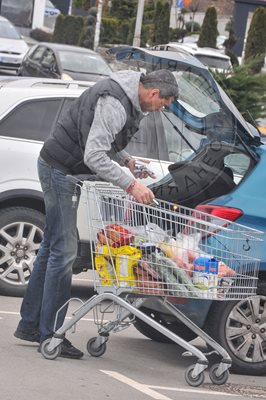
[{"x": 100, "y": 122}]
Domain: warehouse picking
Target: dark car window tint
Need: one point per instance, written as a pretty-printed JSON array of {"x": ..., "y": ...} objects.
[
  {"x": 31, "y": 120},
  {"x": 37, "y": 54}
]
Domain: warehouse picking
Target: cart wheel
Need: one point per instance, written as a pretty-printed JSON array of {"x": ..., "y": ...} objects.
[
  {"x": 218, "y": 380},
  {"x": 50, "y": 355},
  {"x": 191, "y": 380},
  {"x": 95, "y": 351}
]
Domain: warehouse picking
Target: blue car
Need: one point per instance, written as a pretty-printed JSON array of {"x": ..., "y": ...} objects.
[{"x": 233, "y": 186}]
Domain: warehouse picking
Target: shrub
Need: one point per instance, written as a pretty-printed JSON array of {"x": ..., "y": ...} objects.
[
  {"x": 40, "y": 35},
  {"x": 209, "y": 31}
]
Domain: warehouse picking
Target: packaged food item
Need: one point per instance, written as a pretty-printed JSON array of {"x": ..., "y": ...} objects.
[
  {"x": 126, "y": 257},
  {"x": 147, "y": 248},
  {"x": 118, "y": 235},
  {"x": 225, "y": 271},
  {"x": 115, "y": 265},
  {"x": 104, "y": 265},
  {"x": 205, "y": 275},
  {"x": 147, "y": 279}
]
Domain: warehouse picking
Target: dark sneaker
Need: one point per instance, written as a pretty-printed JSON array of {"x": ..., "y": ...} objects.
[
  {"x": 68, "y": 350},
  {"x": 29, "y": 336}
]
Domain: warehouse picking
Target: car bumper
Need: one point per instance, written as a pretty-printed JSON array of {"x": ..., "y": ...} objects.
[{"x": 10, "y": 62}]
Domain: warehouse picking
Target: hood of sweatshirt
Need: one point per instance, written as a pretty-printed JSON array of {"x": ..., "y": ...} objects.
[{"x": 129, "y": 82}]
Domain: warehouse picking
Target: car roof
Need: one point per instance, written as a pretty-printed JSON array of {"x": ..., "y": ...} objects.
[
  {"x": 67, "y": 47},
  {"x": 195, "y": 50},
  {"x": 182, "y": 57},
  {"x": 24, "y": 81}
]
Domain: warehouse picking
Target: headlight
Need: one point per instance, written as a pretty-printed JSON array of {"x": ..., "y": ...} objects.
[{"x": 66, "y": 77}]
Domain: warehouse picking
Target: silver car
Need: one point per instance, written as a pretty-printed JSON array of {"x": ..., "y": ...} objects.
[{"x": 12, "y": 45}]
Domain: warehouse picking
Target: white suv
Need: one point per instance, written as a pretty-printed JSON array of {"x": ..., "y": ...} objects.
[{"x": 29, "y": 108}]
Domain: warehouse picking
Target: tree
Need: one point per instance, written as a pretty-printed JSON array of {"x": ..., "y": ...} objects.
[
  {"x": 193, "y": 8},
  {"x": 230, "y": 42},
  {"x": 68, "y": 29},
  {"x": 84, "y": 4},
  {"x": 247, "y": 91},
  {"x": 209, "y": 31},
  {"x": 161, "y": 22},
  {"x": 86, "y": 38},
  {"x": 256, "y": 40},
  {"x": 123, "y": 9}
]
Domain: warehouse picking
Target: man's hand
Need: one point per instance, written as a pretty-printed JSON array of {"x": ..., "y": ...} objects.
[
  {"x": 142, "y": 194},
  {"x": 139, "y": 169}
]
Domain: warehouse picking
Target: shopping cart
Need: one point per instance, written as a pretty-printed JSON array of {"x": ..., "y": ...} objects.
[{"x": 161, "y": 250}]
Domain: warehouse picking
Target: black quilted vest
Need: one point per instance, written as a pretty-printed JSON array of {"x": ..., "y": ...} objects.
[{"x": 64, "y": 149}]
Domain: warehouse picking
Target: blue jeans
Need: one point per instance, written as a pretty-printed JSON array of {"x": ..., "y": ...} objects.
[{"x": 50, "y": 282}]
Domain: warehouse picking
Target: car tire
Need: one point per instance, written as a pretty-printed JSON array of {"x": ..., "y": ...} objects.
[
  {"x": 21, "y": 232},
  {"x": 172, "y": 324},
  {"x": 239, "y": 328}
]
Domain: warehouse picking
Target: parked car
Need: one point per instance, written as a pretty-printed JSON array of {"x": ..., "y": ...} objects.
[
  {"x": 202, "y": 117},
  {"x": 12, "y": 46},
  {"x": 195, "y": 37},
  {"x": 212, "y": 58},
  {"x": 50, "y": 10},
  {"x": 61, "y": 61}
]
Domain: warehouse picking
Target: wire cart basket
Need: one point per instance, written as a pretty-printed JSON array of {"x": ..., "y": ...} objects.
[{"x": 167, "y": 251}]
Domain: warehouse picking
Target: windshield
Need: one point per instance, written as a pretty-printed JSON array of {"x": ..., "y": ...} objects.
[
  {"x": 83, "y": 63},
  {"x": 8, "y": 31}
]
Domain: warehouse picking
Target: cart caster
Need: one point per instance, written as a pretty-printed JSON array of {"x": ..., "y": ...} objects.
[
  {"x": 50, "y": 355},
  {"x": 191, "y": 380},
  {"x": 218, "y": 380},
  {"x": 95, "y": 351}
]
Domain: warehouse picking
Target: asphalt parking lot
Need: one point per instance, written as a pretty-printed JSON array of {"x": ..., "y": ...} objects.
[{"x": 133, "y": 367}]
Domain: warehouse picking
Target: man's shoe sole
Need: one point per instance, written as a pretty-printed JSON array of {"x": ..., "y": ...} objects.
[{"x": 67, "y": 355}]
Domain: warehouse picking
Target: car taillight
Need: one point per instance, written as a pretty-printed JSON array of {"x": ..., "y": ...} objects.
[{"x": 231, "y": 214}]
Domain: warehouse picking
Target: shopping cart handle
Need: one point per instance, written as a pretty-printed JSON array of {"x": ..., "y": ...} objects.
[{"x": 83, "y": 177}]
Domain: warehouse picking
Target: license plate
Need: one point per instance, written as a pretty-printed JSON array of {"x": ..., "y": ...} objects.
[{"x": 8, "y": 60}]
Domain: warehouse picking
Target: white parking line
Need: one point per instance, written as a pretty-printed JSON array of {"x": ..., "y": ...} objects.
[
  {"x": 136, "y": 385},
  {"x": 148, "y": 389},
  {"x": 200, "y": 391},
  {"x": 9, "y": 312}
]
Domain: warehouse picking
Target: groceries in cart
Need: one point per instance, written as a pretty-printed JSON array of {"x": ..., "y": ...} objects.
[{"x": 149, "y": 260}]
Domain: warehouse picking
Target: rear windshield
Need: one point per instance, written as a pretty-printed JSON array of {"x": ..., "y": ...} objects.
[{"x": 213, "y": 62}]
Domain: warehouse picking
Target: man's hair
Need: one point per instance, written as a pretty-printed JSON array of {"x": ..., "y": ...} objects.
[{"x": 161, "y": 79}]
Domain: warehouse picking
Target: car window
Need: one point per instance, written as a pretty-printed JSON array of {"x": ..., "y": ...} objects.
[
  {"x": 239, "y": 164},
  {"x": 149, "y": 141},
  {"x": 214, "y": 62},
  {"x": 38, "y": 53},
  {"x": 49, "y": 59},
  {"x": 83, "y": 62},
  {"x": 31, "y": 120}
]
